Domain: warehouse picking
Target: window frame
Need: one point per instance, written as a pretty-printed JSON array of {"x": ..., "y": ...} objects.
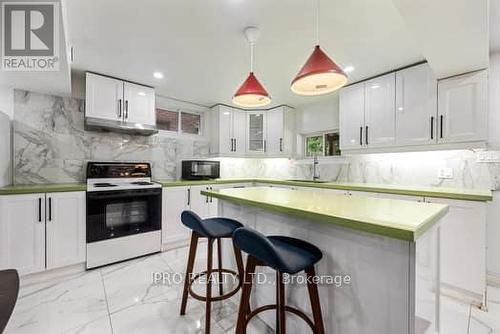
[
  {"x": 323, "y": 135},
  {"x": 179, "y": 131}
]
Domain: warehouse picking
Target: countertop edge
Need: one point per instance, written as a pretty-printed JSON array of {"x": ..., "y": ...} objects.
[{"x": 387, "y": 231}]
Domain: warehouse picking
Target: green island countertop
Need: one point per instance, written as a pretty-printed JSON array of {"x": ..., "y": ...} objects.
[
  {"x": 399, "y": 219},
  {"x": 440, "y": 192},
  {"x": 42, "y": 188}
]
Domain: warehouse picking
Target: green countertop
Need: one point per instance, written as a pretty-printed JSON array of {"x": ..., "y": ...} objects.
[
  {"x": 42, "y": 188},
  {"x": 451, "y": 193},
  {"x": 399, "y": 219}
]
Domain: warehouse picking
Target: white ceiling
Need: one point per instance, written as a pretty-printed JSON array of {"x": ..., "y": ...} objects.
[{"x": 199, "y": 45}]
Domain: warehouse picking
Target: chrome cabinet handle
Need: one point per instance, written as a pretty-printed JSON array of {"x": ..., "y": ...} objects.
[
  {"x": 206, "y": 197},
  {"x": 189, "y": 196},
  {"x": 360, "y": 136},
  {"x": 366, "y": 135},
  {"x": 119, "y": 108},
  {"x": 281, "y": 144},
  {"x": 211, "y": 198}
]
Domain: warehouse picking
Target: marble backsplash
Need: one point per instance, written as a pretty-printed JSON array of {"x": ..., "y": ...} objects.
[{"x": 51, "y": 145}]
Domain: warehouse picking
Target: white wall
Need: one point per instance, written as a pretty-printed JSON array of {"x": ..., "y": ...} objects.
[
  {"x": 7, "y": 101},
  {"x": 319, "y": 116}
]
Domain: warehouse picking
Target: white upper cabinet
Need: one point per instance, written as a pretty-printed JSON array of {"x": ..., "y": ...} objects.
[
  {"x": 416, "y": 106},
  {"x": 235, "y": 132},
  {"x": 139, "y": 104},
  {"x": 65, "y": 219},
  {"x": 239, "y": 131},
  {"x": 463, "y": 108},
  {"x": 352, "y": 116},
  {"x": 228, "y": 131},
  {"x": 22, "y": 233},
  {"x": 104, "y": 97},
  {"x": 117, "y": 100},
  {"x": 380, "y": 113}
]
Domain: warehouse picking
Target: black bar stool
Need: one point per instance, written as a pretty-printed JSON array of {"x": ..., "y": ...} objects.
[
  {"x": 285, "y": 255},
  {"x": 214, "y": 229}
]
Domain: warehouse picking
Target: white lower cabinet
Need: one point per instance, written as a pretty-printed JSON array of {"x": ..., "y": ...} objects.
[
  {"x": 463, "y": 249},
  {"x": 42, "y": 231},
  {"x": 175, "y": 200},
  {"x": 65, "y": 228}
]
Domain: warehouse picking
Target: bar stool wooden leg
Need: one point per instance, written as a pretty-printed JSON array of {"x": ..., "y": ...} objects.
[
  {"x": 189, "y": 270},
  {"x": 208, "y": 306},
  {"x": 245, "y": 296},
  {"x": 315, "y": 304},
  {"x": 280, "y": 304},
  {"x": 219, "y": 260}
]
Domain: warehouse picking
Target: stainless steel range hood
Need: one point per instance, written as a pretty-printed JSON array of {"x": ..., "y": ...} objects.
[{"x": 92, "y": 123}]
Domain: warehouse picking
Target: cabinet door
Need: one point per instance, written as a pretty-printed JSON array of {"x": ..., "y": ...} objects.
[
  {"x": 256, "y": 141},
  {"x": 65, "y": 219},
  {"x": 352, "y": 116},
  {"x": 225, "y": 126},
  {"x": 104, "y": 97},
  {"x": 175, "y": 201},
  {"x": 463, "y": 108},
  {"x": 198, "y": 203},
  {"x": 275, "y": 123},
  {"x": 213, "y": 203},
  {"x": 239, "y": 131},
  {"x": 22, "y": 233},
  {"x": 416, "y": 106},
  {"x": 380, "y": 111},
  {"x": 463, "y": 248},
  {"x": 139, "y": 104}
]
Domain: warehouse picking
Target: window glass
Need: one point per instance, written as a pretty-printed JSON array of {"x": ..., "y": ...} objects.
[
  {"x": 256, "y": 132},
  {"x": 167, "y": 120},
  {"x": 332, "y": 145},
  {"x": 314, "y": 145},
  {"x": 190, "y": 123}
]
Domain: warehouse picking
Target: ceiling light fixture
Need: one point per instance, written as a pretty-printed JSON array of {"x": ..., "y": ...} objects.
[
  {"x": 251, "y": 93},
  {"x": 320, "y": 75},
  {"x": 348, "y": 69},
  {"x": 158, "y": 75}
]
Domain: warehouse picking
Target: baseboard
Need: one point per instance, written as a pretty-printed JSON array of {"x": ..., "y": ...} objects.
[
  {"x": 52, "y": 274},
  {"x": 493, "y": 279}
]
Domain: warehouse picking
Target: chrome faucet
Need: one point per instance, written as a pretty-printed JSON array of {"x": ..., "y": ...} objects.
[{"x": 315, "y": 168}]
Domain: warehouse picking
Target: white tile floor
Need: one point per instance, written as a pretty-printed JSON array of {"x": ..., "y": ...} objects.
[{"x": 122, "y": 298}]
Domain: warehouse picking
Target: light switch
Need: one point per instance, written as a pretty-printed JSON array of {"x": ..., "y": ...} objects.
[{"x": 445, "y": 173}]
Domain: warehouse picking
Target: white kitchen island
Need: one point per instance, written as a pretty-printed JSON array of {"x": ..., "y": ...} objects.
[{"x": 386, "y": 252}]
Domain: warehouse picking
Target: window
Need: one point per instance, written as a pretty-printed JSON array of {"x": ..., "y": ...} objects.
[
  {"x": 190, "y": 123},
  {"x": 167, "y": 120},
  {"x": 179, "y": 121},
  {"x": 323, "y": 144}
]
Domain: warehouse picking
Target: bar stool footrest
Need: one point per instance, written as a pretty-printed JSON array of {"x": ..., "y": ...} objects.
[
  {"x": 290, "y": 309},
  {"x": 217, "y": 298}
]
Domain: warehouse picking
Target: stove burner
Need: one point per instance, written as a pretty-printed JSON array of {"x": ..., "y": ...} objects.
[
  {"x": 102, "y": 185},
  {"x": 142, "y": 183}
]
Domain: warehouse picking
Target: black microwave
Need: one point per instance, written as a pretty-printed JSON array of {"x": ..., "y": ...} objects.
[{"x": 200, "y": 169}]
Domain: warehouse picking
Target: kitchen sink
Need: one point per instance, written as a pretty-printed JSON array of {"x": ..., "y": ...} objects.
[{"x": 311, "y": 181}]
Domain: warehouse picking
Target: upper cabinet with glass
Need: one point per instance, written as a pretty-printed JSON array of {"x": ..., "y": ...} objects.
[{"x": 256, "y": 141}]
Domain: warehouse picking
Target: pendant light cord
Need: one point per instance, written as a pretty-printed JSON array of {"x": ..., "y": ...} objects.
[
  {"x": 251, "y": 56},
  {"x": 317, "y": 22}
]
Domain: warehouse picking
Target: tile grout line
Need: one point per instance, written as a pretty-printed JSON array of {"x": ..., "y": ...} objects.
[{"x": 106, "y": 299}]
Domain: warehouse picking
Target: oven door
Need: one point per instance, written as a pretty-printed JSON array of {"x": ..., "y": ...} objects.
[{"x": 113, "y": 214}]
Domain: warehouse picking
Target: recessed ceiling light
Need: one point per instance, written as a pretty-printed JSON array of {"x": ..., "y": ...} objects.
[
  {"x": 158, "y": 75},
  {"x": 348, "y": 69}
]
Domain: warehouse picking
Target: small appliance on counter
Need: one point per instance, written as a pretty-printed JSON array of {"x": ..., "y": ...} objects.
[
  {"x": 200, "y": 169},
  {"x": 123, "y": 212}
]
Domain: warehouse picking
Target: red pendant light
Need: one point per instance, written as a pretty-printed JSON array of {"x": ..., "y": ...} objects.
[
  {"x": 320, "y": 75},
  {"x": 251, "y": 93}
]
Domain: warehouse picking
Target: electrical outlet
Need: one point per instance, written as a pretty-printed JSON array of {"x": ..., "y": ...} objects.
[{"x": 445, "y": 173}]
